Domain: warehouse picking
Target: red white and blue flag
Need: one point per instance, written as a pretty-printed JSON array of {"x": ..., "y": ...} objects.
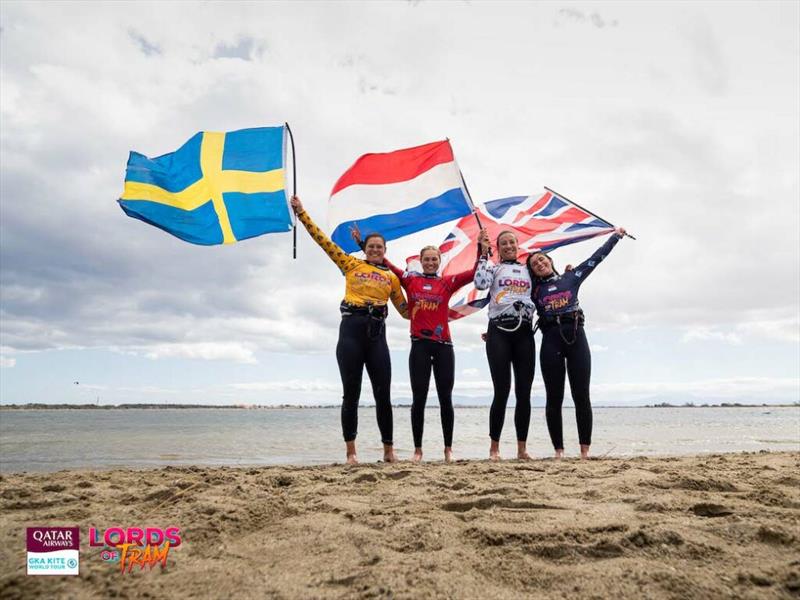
[
  {"x": 540, "y": 222},
  {"x": 398, "y": 193}
]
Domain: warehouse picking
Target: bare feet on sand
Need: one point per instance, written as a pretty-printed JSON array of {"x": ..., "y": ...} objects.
[
  {"x": 417, "y": 455},
  {"x": 494, "y": 451},
  {"x": 522, "y": 451},
  {"x": 352, "y": 458},
  {"x": 448, "y": 454},
  {"x": 584, "y": 451},
  {"x": 559, "y": 454},
  {"x": 388, "y": 454}
]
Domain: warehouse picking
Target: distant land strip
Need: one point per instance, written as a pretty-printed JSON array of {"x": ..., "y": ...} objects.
[{"x": 63, "y": 406}]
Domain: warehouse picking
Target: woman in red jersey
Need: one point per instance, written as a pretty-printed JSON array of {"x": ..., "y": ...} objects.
[{"x": 431, "y": 346}]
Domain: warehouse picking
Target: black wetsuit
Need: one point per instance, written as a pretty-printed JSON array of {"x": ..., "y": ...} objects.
[
  {"x": 509, "y": 341},
  {"x": 565, "y": 350},
  {"x": 362, "y": 343},
  {"x": 504, "y": 350},
  {"x": 426, "y": 355}
]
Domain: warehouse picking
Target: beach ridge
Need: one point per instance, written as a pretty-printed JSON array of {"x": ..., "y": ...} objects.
[{"x": 723, "y": 525}]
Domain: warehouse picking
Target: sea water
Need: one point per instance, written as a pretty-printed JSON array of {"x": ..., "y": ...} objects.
[{"x": 51, "y": 440}]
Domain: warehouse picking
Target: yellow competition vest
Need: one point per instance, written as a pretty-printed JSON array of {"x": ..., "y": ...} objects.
[{"x": 365, "y": 283}]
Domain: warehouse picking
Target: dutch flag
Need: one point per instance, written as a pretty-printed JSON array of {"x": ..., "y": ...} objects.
[{"x": 398, "y": 193}]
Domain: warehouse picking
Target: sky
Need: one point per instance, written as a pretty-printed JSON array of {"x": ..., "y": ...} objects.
[{"x": 678, "y": 121}]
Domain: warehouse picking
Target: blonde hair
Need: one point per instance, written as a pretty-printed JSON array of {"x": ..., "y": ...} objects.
[{"x": 426, "y": 248}]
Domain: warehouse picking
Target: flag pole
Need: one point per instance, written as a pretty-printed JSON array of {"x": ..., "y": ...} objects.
[
  {"x": 469, "y": 198},
  {"x": 472, "y": 205},
  {"x": 585, "y": 210},
  {"x": 294, "y": 191}
]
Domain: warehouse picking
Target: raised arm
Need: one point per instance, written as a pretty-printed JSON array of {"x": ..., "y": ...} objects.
[
  {"x": 459, "y": 280},
  {"x": 394, "y": 269},
  {"x": 344, "y": 261},
  {"x": 583, "y": 270},
  {"x": 484, "y": 270}
]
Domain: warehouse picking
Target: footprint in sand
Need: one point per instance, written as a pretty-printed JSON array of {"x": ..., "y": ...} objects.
[
  {"x": 398, "y": 475},
  {"x": 54, "y": 487},
  {"x": 710, "y": 510},
  {"x": 488, "y": 502}
]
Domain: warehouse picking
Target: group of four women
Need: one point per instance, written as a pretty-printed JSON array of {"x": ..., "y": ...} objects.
[{"x": 518, "y": 292}]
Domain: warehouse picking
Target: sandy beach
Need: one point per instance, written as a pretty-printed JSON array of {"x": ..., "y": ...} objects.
[{"x": 719, "y": 526}]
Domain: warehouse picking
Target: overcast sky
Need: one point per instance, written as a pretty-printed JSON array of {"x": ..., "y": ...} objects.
[{"x": 679, "y": 121}]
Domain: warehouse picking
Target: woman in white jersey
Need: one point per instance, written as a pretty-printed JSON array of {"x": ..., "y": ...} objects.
[{"x": 509, "y": 339}]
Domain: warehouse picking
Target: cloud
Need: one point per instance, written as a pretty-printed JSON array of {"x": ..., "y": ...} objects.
[
  {"x": 705, "y": 334},
  {"x": 147, "y": 48},
  {"x": 293, "y": 385},
  {"x": 743, "y": 389},
  {"x": 203, "y": 350},
  {"x": 243, "y": 49},
  {"x": 746, "y": 390},
  {"x": 576, "y": 16},
  {"x": 710, "y": 67},
  {"x": 785, "y": 330},
  {"x": 699, "y": 183}
]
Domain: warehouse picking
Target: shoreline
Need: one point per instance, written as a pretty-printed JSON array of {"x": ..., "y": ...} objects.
[
  {"x": 718, "y": 525},
  {"x": 378, "y": 462},
  {"x": 428, "y": 406}
]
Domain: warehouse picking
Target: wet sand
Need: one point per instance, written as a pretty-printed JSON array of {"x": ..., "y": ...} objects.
[{"x": 719, "y": 526}]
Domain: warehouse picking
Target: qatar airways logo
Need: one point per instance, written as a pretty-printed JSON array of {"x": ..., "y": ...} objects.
[
  {"x": 53, "y": 550},
  {"x": 135, "y": 547}
]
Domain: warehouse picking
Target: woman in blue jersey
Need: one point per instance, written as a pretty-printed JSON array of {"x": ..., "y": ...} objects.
[
  {"x": 509, "y": 338},
  {"x": 565, "y": 349}
]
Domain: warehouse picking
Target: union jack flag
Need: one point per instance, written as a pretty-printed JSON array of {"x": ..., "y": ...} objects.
[{"x": 541, "y": 222}]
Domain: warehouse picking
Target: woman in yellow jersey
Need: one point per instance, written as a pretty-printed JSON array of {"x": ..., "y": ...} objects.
[{"x": 369, "y": 285}]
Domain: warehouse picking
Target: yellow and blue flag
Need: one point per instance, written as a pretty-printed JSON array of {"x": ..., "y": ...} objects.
[{"x": 218, "y": 188}]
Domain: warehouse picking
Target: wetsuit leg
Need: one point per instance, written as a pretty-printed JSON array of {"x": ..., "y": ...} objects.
[
  {"x": 498, "y": 352},
  {"x": 579, "y": 371},
  {"x": 524, "y": 362},
  {"x": 444, "y": 364},
  {"x": 551, "y": 358},
  {"x": 379, "y": 369},
  {"x": 419, "y": 366},
  {"x": 350, "y": 356}
]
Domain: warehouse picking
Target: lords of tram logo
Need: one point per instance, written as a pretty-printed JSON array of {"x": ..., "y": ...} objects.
[{"x": 135, "y": 547}]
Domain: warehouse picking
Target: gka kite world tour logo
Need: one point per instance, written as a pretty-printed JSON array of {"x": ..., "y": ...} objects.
[
  {"x": 135, "y": 546},
  {"x": 53, "y": 550}
]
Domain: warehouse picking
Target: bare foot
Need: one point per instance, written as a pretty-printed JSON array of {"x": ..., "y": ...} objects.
[
  {"x": 494, "y": 451},
  {"x": 352, "y": 459},
  {"x": 388, "y": 454},
  {"x": 417, "y": 455},
  {"x": 522, "y": 451},
  {"x": 584, "y": 451},
  {"x": 448, "y": 454},
  {"x": 559, "y": 454}
]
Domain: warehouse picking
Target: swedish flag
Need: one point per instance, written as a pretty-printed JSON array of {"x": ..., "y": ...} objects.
[{"x": 217, "y": 188}]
